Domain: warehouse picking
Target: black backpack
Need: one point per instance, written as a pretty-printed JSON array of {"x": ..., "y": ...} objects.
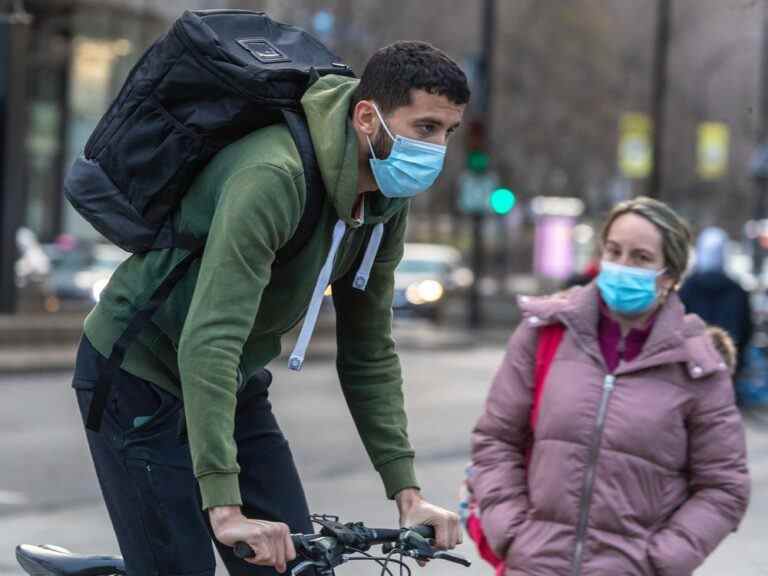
[{"x": 215, "y": 76}]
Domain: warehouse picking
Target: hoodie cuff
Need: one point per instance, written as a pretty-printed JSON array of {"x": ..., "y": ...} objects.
[
  {"x": 220, "y": 490},
  {"x": 398, "y": 475}
]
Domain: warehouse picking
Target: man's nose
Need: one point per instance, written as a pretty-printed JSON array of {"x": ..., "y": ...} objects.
[{"x": 441, "y": 139}]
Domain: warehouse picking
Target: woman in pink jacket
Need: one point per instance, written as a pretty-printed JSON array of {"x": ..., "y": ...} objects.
[{"x": 638, "y": 462}]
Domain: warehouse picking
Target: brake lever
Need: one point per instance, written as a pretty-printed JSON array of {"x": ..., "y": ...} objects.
[
  {"x": 415, "y": 542},
  {"x": 305, "y": 565},
  {"x": 452, "y": 557}
]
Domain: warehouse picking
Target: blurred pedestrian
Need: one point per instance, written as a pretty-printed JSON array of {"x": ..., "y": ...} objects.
[
  {"x": 714, "y": 296},
  {"x": 637, "y": 462},
  {"x": 583, "y": 277}
]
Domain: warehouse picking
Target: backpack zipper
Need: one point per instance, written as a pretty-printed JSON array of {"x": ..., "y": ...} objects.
[{"x": 589, "y": 478}]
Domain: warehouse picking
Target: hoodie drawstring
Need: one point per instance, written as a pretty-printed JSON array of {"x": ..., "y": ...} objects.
[
  {"x": 364, "y": 272},
  {"x": 296, "y": 361}
]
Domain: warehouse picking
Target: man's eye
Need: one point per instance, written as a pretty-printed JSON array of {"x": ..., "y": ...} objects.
[{"x": 427, "y": 129}]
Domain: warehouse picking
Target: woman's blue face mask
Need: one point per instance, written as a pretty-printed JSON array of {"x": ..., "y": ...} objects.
[
  {"x": 627, "y": 289},
  {"x": 411, "y": 167}
]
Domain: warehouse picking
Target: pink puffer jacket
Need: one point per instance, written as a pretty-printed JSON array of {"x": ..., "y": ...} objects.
[{"x": 639, "y": 472}]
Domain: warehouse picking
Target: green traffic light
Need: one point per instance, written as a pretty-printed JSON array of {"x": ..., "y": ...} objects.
[
  {"x": 478, "y": 161},
  {"x": 502, "y": 200}
]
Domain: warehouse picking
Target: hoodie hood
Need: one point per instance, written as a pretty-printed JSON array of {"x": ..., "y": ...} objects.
[{"x": 326, "y": 105}]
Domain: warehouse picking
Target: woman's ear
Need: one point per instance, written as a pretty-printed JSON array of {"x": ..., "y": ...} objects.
[{"x": 668, "y": 284}]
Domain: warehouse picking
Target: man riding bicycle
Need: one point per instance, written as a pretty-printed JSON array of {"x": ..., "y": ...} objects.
[{"x": 160, "y": 464}]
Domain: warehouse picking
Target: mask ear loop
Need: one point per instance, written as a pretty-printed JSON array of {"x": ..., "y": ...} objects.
[
  {"x": 381, "y": 118},
  {"x": 370, "y": 146}
]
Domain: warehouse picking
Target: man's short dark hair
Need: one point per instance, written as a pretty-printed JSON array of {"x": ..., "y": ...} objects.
[{"x": 395, "y": 70}]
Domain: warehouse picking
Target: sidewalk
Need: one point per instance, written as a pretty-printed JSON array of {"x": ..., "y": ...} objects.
[
  {"x": 50, "y": 344},
  {"x": 39, "y": 342}
]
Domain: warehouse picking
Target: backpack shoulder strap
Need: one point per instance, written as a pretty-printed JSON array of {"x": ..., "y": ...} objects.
[
  {"x": 549, "y": 341},
  {"x": 315, "y": 193},
  {"x": 297, "y": 125},
  {"x": 137, "y": 323}
]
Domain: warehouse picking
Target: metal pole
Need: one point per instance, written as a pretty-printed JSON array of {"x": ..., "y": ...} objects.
[
  {"x": 484, "y": 108},
  {"x": 760, "y": 181},
  {"x": 489, "y": 43},
  {"x": 13, "y": 66},
  {"x": 659, "y": 87}
]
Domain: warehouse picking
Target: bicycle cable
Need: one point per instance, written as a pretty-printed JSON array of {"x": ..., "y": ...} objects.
[{"x": 380, "y": 560}]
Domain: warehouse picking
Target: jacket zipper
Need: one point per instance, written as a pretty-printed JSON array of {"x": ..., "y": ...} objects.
[{"x": 589, "y": 477}]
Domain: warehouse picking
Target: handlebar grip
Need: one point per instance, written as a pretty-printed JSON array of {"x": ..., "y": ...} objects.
[
  {"x": 243, "y": 551},
  {"x": 424, "y": 531}
]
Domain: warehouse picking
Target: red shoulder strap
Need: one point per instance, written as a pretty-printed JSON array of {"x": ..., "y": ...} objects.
[{"x": 549, "y": 340}]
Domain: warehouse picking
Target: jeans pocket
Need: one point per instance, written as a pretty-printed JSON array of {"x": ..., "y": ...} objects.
[{"x": 110, "y": 423}]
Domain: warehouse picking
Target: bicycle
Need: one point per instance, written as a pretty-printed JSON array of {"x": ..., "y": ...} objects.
[{"x": 334, "y": 545}]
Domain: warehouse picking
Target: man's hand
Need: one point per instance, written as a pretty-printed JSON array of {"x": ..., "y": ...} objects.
[
  {"x": 415, "y": 510},
  {"x": 270, "y": 541}
]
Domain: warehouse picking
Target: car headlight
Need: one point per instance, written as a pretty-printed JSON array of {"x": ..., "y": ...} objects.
[{"x": 424, "y": 292}]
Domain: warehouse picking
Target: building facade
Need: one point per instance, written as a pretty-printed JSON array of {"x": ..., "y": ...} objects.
[{"x": 564, "y": 74}]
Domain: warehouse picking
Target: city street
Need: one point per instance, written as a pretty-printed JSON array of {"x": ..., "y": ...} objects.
[{"x": 48, "y": 491}]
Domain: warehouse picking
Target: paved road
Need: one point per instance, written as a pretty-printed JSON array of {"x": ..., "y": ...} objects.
[{"x": 48, "y": 492}]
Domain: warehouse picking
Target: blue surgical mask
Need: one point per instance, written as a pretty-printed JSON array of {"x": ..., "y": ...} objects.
[
  {"x": 411, "y": 167},
  {"x": 626, "y": 289}
]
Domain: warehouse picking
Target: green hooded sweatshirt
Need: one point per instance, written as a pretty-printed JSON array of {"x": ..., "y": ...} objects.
[{"x": 222, "y": 323}]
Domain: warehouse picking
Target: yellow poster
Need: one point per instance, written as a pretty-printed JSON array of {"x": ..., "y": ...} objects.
[
  {"x": 712, "y": 150},
  {"x": 635, "y": 148}
]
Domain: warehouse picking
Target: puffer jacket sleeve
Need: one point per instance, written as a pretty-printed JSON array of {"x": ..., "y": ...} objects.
[
  {"x": 719, "y": 483},
  {"x": 499, "y": 442}
]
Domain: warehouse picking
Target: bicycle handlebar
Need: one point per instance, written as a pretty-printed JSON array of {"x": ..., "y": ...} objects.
[
  {"x": 336, "y": 543},
  {"x": 370, "y": 537}
]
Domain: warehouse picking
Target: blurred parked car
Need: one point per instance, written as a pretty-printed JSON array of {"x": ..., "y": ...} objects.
[
  {"x": 79, "y": 273},
  {"x": 33, "y": 265},
  {"x": 427, "y": 279}
]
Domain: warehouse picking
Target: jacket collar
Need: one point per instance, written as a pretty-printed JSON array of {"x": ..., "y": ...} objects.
[{"x": 674, "y": 338}]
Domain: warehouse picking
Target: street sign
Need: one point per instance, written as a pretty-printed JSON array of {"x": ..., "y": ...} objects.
[
  {"x": 712, "y": 150},
  {"x": 475, "y": 191},
  {"x": 635, "y": 149}
]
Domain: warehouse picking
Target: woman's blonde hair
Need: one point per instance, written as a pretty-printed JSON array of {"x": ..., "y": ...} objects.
[{"x": 675, "y": 235}]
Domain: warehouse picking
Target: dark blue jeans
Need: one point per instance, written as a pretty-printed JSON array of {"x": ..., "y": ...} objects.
[{"x": 144, "y": 468}]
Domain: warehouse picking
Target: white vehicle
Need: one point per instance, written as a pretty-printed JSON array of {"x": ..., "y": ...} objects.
[{"x": 427, "y": 278}]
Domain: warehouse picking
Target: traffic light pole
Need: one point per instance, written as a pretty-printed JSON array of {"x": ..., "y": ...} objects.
[
  {"x": 760, "y": 178},
  {"x": 660, "y": 60},
  {"x": 475, "y": 315},
  {"x": 478, "y": 268}
]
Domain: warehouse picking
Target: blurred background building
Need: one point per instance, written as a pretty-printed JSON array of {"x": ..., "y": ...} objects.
[{"x": 570, "y": 107}]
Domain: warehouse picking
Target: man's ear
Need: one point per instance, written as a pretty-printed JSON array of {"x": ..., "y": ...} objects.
[{"x": 364, "y": 118}]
